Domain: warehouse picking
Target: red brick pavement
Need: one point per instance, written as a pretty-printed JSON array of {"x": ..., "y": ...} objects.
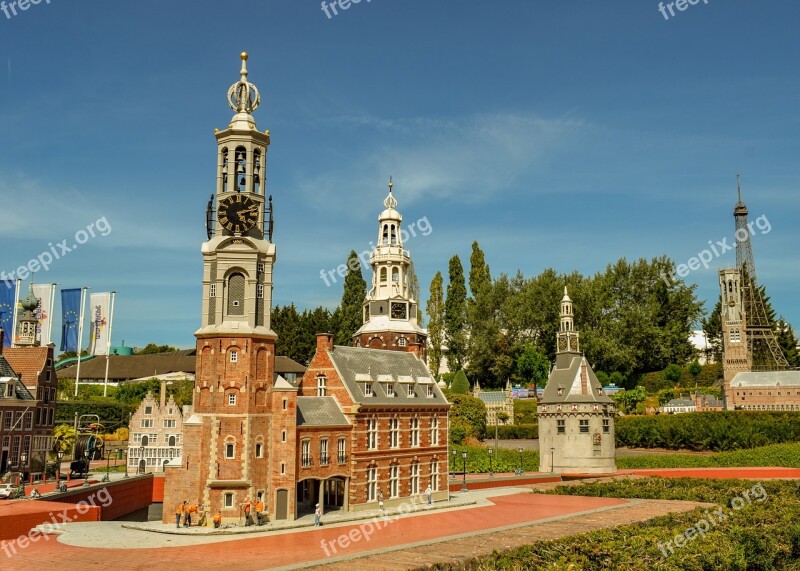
[{"x": 304, "y": 546}]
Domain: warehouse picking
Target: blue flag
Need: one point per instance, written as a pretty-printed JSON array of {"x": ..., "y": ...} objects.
[
  {"x": 70, "y": 314},
  {"x": 8, "y": 299}
]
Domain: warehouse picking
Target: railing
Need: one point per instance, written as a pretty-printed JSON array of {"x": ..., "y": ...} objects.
[
  {"x": 342, "y": 458},
  {"x": 306, "y": 461},
  {"x": 324, "y": 460}
]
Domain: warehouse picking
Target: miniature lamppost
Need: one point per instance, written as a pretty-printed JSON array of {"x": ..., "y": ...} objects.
[
  {"x": 464, "y": 458},
  {"x": 23, "y": 459},
  {"x": 60, "y": 456},
  {"x": 491, "y": 474},
  {"x": 86, "y": 475},
  {"x": 520, "y": 460}
]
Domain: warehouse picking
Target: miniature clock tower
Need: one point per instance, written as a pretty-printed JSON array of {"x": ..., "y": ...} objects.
[
  {"x": 226, "y": 450},
  {"x": 390, "y": 310}
]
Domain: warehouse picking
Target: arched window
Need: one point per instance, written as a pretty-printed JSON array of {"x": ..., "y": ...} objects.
[
  {"x": 383, "y": 275},
  {"x": 223, "y": 168},
  {"x": 395, "y": 275},
  {"x": 394, "y": 235},
  {"x": 385, "y": 239},
  {"x": 257, "y": 171},
  {"x": 172, "y": 441},
  {"x": 144, "y": 440},
  {"x": 241, "y": 168},
  {"x": 236, "y": 286}
]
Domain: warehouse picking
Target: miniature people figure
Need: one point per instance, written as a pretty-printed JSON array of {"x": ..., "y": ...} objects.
[
  {"x": 317, "y": 514},
  {"x": 259, "y": 510},
  {"x": 429, "y": 493},
  {"x": 246, "y": 506},
  {"x": 380, "y": 499},
  {"x": 217, "y": 520},
  {"x": 179, "y": 513}
]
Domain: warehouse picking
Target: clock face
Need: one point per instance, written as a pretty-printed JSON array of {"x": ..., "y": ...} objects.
[
  {"x": 573, "y": 343},
  {"x": 237, "y": 213},
  {"x": 399, "y": 310},
  {"x": 562, "y": 343}
]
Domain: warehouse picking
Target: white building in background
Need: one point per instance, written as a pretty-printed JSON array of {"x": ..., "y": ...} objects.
[{"x": 155, "y": 433}]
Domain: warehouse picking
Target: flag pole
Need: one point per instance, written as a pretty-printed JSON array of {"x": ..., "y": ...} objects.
[
  {"x": 50, "y": 318},
  {"x": 16, "y": 313},
  {"x": 80, "y": 339},
  {"x": 108, "y": 341}
]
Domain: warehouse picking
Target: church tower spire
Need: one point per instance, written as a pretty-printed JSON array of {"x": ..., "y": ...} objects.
[
  {"x": 567, "y": 339},
  {"x": 26, "y": 334},
  {"x": 390, "y": 308}
]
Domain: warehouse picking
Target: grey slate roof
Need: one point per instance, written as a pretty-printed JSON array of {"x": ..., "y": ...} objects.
[
  {"x": 766, "y": 379},
  {"x": 680, "y": 402},
  {"x": 5, "y": 368},
  {"x": 319, "y": 411},
  {"x": 492, "y": 397},
  {"x": 566, "y": 375},
  {"x": 357, "y": 364}
]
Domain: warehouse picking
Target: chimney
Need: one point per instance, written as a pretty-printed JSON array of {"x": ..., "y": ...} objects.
[
  {"x": 163, "y": 395},
  {"x": 324, "y": 342},
  {"x": 416, "y": 349}
]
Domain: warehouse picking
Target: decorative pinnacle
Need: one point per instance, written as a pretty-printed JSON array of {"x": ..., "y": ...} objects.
[
  {"x": 243, "y": 96},
  {"x": 391, "y": 201}
]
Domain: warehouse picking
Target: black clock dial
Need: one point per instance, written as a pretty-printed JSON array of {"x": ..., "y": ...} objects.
[
  {"x": 237, "y": 213},
  {"x": 399, "y": 310}
]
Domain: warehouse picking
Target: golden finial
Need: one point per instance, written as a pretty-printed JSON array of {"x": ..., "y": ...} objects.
[
  {"x": 243, "y": 56},
  {"x": 391, "y": 184}
]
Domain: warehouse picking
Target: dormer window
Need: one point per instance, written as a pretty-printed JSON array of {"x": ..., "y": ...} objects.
[
  {"x": 560, "y": 391},
  {"x": 389, "y": 390},
  {"x": 322, "y": 385}
]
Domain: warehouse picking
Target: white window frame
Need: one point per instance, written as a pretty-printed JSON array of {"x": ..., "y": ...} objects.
[
  {"x": 372, "y": 434},
  {"x": 260, "y": 291},
  {"x": 212, "y": 290},
  {"x": 431, "y": 394},
  {"x": 372, "y": 484},
  {"x": 434, "y": 431},
  {"x": 390, "y": 390},
  {"x": 228, "y": 500},
  {"x": 434, "y": 475},
  {"x": 231, "y": 399},
  {"x": 305, "y": 453},
  {"x": 232, "y": 455},
  {"x": 234, "y": 356},
  {"x": 322, "y": 385},
  {"x": 394, "y": 481},
  {"x": 414, "y": 432},
  {"x": 341, "y": 450},
  {"x": 414, "y": 479},
  {"x": 324, "y": 459},
  {"x": 394, "y": 433}
]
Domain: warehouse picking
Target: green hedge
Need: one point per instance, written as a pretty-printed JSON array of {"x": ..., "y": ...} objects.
[
  {"x": 503, "y": 460},
  {"x": 513, "y": 432},
  {"x": 759, "y": 535},
  {"x": 525, "y": 411},
  {"x": 715, "y": 431},
  {"x": 783, "y": 455},
  {"x": 112, "y": 414}
]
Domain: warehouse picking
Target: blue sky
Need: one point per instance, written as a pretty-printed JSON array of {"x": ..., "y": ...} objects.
[{"x": 558, "y": 134}]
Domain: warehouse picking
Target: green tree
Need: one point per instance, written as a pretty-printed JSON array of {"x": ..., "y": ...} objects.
[
  {"x": 64, "y": 437},
  {"x": 532, "y": 366},
  {"x": 787, "y": 342},
  {"x": 503, "y": 417},
  {"x": 455, "y": 314},
  {"x": 469, "y": 413},
  {"x": 460, "y": 384},
  {"x": 482, "y": 348},
  {"x": 695, "y": 369},
  {"x": 153, "y": 349},
  {"x": 435, "y": 309},
  {"x": 351, "y": 310},
  {"x": 712, "y": 327},
  {"x": 673, "y": 373},
  {"x": 287, "y": 325},
  {"x": 627, "y": 400}
]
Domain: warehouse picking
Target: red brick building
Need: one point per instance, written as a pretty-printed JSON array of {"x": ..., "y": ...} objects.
[{"x": 359, "y": 420}]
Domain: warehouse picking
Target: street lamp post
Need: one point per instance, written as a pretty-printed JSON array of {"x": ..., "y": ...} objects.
[
  {"x": 552, "y": 462},
  {"x": 86, "y": 475},
  {"x": 59, "y": 456},
  {"x": 520, "y": 460},
  {"x": 126, "y": 463},
  {"x": 106, "y": 478},
  {"x": 491, "y": 473},
  {"x": 142, "y": 469},
  {"x": 464, "y": 458},
  {"x": 23, "y": 459}
]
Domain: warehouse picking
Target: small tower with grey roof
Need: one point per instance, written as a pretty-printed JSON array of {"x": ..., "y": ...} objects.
[{"x": 576, "y": 417}]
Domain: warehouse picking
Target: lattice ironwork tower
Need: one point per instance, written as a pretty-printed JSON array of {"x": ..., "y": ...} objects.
[{"x": 763, "y": 350}]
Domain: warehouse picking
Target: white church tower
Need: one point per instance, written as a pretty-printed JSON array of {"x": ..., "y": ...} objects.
[
  {"x": 576, "y": 417},
  {"x": 390, "y": 309}
]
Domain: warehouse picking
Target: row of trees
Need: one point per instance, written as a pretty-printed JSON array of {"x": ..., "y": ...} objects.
[{"x": 632, "y": 319}]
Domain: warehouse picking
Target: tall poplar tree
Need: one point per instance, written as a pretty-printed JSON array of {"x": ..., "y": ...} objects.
[
  {"x": 349, "y": 315},
  {"x": 481, "y": 322},
  {"x": 455, "y": 316},
  {"x": 435, "y": 310}
]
